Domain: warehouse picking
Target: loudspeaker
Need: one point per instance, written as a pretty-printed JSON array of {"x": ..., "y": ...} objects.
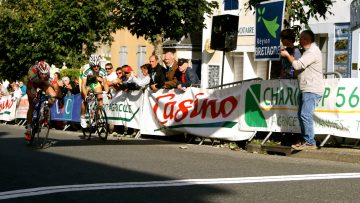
[{"x": 224, "y": 32}]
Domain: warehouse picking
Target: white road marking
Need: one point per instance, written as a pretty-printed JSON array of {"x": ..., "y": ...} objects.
[{"x": 171, "y": 183}]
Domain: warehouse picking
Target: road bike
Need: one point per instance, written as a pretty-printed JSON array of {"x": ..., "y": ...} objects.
[
  {"x": 41, "y": 121},
  {"x": 96, "y": 118}
]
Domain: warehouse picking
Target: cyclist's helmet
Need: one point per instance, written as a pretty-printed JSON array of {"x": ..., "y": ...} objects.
[
  {"x": 95, "y": 60},
  {"x": 43, "y": 67}
]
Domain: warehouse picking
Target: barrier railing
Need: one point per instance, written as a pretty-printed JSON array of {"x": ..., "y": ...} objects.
[{"x": 232, "y": 84}]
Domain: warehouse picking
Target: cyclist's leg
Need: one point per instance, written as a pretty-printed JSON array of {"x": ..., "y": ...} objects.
[
  {"x": 98, "y": 89},
  {"x": 83, "y": 109},
  {"x": 31, "y": 93}
]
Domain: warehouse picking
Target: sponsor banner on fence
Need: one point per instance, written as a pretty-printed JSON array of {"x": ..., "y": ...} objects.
[
  {"x": 70, "y": 111},
  {"x": 207, "y": 113},
  {"x": 125, "y": 108},
  {"x": 22, "y": 107},
  {"x": 272, "y": 106},
  {"x": 7, "y": 108}
]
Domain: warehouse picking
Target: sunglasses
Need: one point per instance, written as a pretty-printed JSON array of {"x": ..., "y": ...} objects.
[
  {"x": 108, "y": 68},
  {"x": 119, "y": 73}
]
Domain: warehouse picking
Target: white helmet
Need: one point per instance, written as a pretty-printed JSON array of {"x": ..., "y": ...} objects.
[
  {"x": 43, "y": 67},
  {"x": 95, "y": 60}
]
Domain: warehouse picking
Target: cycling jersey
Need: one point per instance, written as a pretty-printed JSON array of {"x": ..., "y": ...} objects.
[{"x": 91, "y": 80}]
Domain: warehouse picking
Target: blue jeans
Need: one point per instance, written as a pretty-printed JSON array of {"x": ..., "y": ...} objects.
[{"x": 307, "y": 103}]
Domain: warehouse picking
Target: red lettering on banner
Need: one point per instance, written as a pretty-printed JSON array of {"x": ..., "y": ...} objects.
[
  {"x": 6, "y": 104},
  {"x": 199, "y": 107},
  {"x": 183, "y": 109}
]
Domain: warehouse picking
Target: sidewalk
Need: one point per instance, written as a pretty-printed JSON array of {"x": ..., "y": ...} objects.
[{"x": 350, "y": 155}]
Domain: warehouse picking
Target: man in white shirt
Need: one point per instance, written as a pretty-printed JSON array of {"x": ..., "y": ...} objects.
[{"x": 311, "y": 85}]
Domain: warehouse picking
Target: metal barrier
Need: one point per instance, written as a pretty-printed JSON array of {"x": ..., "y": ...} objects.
[
  {"x": 232, "y": 84},
  {"x": 333, "y": 73}
]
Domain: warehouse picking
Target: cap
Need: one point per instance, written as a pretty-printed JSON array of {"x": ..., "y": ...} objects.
[
  {"x": 181, "y": 61},
  {"x": 127, "y": 69}
]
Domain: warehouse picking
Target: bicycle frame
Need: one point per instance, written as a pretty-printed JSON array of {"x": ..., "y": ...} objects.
[
  {"x": 96, "y": 117},
  {"x": 41, "y": 113}
]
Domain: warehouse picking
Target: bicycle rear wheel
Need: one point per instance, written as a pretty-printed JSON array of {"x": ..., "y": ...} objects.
[
  {"x": 42, "y": 128},
  {"x": 102, "y": 127},
  {"x": 89, "y": 116}
]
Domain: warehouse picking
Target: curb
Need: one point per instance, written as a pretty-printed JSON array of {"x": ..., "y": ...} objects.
[{"x": 330, "y": 154}]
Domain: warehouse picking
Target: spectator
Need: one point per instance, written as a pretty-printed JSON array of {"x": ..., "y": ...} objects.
[
  {"x": 69, "y": 87},
  {"x": 185, "y": 75},
  {"x": 116, "y": 84},
  {"x": 170, "y": 69},
  {"x": 22, "y": 87},
  {"x": 127, "y": 70},
  {"x": 145, "y": 80},
  {"x": 15, "y": 90},
  {"x": 311, "y": 85},
  {"x": 157, "y": 77},
  {"x": 110, "y": 76},
  {"x": 4, "y": 88},
  {"x": 57, "y": 79},
  {"x": 128, "y": 80},
  {"x": 110, "y": 73},
  {"x": 287, "y": 37}
]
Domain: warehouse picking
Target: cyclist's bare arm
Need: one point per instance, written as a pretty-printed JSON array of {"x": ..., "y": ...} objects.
[
  {"x": 83, "y": 87},
  {"x": 106, "y": 85}
]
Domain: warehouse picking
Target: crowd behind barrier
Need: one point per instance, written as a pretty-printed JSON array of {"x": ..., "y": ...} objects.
[{"x": 233, "y": 113}]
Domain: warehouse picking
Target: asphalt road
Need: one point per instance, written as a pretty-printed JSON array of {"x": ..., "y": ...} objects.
[{"x": 154, "y": 170}]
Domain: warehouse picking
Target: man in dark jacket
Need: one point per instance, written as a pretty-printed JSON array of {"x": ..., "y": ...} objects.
[
  {"x": 185, "y": 75},
  {"x": 157, "y": 77}
]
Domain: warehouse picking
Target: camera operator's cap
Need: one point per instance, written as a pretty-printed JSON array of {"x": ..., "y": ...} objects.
[
  {"x": 127, "y": 69},
  {"x": 181, "y": 61}
]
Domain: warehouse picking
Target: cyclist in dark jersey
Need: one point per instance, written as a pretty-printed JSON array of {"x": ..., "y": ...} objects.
[{"x": 39, "y": 78}]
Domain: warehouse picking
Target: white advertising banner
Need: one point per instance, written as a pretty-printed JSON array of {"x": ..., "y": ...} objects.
[
  {"x": 22, "y": 107},
  {"x": 7, "y": 108},
  {"x": 124, "y": 108},
  {"x": 209, "y": 113},
  {"x": 272, "y": 105}
]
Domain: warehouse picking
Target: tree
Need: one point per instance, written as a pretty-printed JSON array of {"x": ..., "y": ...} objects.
[
  {"x": 57, "y": 30},
  {"x": 159, "y": 20},
  {"x": 300, "y": 10}
]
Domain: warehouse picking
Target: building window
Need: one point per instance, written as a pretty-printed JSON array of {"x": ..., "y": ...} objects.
[
  {"x": 213, "y": 75},
  {"x": 123, "y": 55},
  {"x": 231, "y": 5},
  {"x": 141, "y": 55}
]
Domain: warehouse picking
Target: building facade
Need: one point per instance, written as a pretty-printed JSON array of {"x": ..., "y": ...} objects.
[
  {"x": 240, "y": 63},
  {"x": 127, "y": 49},
  {"x": 334, "y": 38},
  {"x": 355, "y": 30}
]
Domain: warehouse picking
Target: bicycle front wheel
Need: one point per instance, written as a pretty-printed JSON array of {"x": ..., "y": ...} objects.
[
  {"x": 42, "y": 128},
  {"x": 102, "y": 126}
]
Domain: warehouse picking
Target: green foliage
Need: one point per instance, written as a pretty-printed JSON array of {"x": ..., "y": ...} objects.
[
  {"x": 296, "y": 10},
  {"x": 57, "y": 30},
  {"x": 72, "y": 73},
  {"x": 169, "y": 18}
]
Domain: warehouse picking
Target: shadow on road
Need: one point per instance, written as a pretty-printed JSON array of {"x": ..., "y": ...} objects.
[{"x": 23, "y": 167}]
